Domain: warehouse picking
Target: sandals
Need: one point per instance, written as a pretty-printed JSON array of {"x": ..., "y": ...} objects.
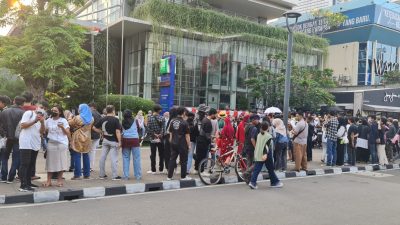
[{"x": 45, "y": 185}]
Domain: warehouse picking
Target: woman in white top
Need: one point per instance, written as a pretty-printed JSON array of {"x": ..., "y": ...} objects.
[{"x": 58, "y": 133}]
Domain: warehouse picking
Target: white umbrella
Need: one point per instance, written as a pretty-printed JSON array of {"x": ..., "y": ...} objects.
[{"x": 272, "y": 110}]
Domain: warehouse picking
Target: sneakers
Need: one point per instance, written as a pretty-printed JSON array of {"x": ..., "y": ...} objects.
[
  {"x": 277, "y": 185},
  {"x": 169, "y": 179},
  {"x": 9, "y": 182},
  {"x": 34, "y": 186},
  {"x": 102, "y": 178},
  {"x": 3, "y": 181},
  {"x": 187, "y": 178},
  {"x": 151, "y": 172},
  {"x": 26, "y": 189},
  {"x": 117, "y": 178},
  {"x": 253, "y": 186},
  {"x": 76, "y": 178}
]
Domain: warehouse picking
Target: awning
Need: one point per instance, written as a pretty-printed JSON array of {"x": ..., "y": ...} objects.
[
  {"x": 345, "y": 105},
  {"x": 380, "y": 108}
]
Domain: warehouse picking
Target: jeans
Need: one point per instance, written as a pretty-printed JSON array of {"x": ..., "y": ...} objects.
[
  {"x": 153, "y": 148},
  {"x": 269, "y": 164},
  {"x": 182, "y": 151},
  {"x": 346, "y": 154},
  {"x": 112, "y": 148},
  {"x": 280, "y": 156},
  {"x": 27, "y": 161},
  {"x": 78, "y": 166},
  {"x": 33, "y": 168},
  {"x": 92, "y": 153},
  {"x": 373, "y": 152},
  {"x": 351, "y": 152},
  {"x": 190, "y": 156},
  {"x": 331, "y": 152},
  {"x": 72, "y": 163},
  {"x": 126, "y": 158},
  {"x": 11, "y": 146}
]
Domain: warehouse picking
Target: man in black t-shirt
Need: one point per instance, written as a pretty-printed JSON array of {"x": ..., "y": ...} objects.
[
  {"x": 204, "y": 138},
  {"x": 179, "y": 140},
  {"x": 351, "y": 146},
  {"x": 110, "y": 127}
]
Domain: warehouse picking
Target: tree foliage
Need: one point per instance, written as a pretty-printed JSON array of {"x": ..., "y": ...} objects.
[
  {"x": 330, "y": 19},
  {"x": 49, "y": 47},
  {"x": 10, "y": 85},
  {"x": 392, "y": 77},
  {"x": 127, "y": 102},
  {"x": 309, "y": 87}
]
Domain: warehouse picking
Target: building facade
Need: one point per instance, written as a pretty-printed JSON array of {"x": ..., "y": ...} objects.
[
  {"x": 209, "y": 69},
  {"x": 362, "y": 50},
  {"x": 304, "y": 6}
]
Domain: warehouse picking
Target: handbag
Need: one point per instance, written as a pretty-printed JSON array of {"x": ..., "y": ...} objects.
[
  {"x": 378, "y": 141},
  {"x": 362, "y": 143}
]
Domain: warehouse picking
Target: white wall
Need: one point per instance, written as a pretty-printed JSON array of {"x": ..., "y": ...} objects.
[{"x": 343, "y": 59}]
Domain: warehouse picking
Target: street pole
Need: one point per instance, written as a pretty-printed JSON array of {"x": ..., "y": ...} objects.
[
  {"x": 292, "y": 15},
  {"x": 287, "y": 79},
  {"x": 107, "y": 58}
]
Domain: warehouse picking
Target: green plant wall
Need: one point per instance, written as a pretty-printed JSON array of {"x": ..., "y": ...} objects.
[{"x": 218, "y": 24}]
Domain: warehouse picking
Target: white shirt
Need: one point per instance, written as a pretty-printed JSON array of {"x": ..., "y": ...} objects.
[
  {"x": 30, "y": 137},
  {"x": 56, "y": 133}
]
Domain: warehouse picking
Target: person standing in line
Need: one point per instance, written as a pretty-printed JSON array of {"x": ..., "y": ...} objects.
[
  {"x": 205, "y": 135},
  {"x": 389, "y": 136},
  {"x": 4, "y": 102},
  {"x": 131, "y": 145},
  {"x": 362, "y": 141},
  {"x": 382, "y": 129},
  {"x": 300, "y": 133},
  {"x": 168, "y": 116},
  {"x": 81, "y": 141},
  {"x": 281, "y": 143},
  {"x": 373, "y": 139},
  {"x": 310, "y": 145},
  {"x": 324, "y": 140},
  {"x": 111, "y": 129},
  {"x": 155, "y": 126},
  {"x": 179, "y": 140},
  {"x": 95, "y": 136},
  {"x": 57, "y": 129},
  {"x": 251, "y": 132},
  {"x": 240, "y": 137},
  {"x": 193, "y": 137},
  {"x": 352, "y": 133},
  {"x": 341, "y": 141},
  {"x": 142, "y": 129},
  {"x": 263, "y": 156},
  {"x": 32, "y": 126},
  {"x": 10, "y": 119},
  {"x": 331, "y": 136}
]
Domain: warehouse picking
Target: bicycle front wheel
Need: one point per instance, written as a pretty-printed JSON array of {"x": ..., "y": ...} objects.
[{"x": 209, "y": 171}]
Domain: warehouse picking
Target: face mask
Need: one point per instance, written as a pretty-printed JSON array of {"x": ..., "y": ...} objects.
[{"x": 54, "y": 114}]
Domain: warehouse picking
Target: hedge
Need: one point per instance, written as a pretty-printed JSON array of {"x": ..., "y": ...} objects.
[{"x": 128, "y": 102}]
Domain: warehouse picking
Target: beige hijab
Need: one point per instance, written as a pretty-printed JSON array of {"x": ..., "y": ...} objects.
[{"x": 279, "y": 126}]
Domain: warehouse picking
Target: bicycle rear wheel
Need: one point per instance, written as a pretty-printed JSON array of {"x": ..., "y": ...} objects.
[
  {"x": 240, "y": 168},
  {"x": 209, "y": 171}
]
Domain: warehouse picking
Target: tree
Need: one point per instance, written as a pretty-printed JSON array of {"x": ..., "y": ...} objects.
[
  {"x": 328, "y": 19},
  {"x": 10, "y": 85},
  {"x": 48, "y": 47},
  {"x": 391, "y": 77},
  {"x": 309, "y": 87}
]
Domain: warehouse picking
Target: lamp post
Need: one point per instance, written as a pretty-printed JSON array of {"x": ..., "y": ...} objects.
[{"x": 288, "y": 15}]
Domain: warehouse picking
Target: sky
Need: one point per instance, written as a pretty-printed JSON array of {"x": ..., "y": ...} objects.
[{"x": 4, "y": 30}]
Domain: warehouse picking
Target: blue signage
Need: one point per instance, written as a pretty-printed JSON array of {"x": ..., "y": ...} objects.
[
  {"x": 371, "y": 14},
  {"x": 167, "y": 85}
]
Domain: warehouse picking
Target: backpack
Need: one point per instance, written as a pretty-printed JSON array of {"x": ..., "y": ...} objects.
[
  {"x": 281, "y": 139},
  {"x": 18, "y": 129}
]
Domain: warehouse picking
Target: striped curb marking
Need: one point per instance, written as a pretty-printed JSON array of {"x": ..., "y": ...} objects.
[{"x": 94, "y": 192}]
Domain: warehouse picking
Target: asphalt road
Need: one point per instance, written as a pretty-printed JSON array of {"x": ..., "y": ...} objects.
[{"x": 340, "y": 199}]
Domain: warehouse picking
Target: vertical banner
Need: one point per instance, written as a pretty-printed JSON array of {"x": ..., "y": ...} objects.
[{"x": 167, "y": 82}]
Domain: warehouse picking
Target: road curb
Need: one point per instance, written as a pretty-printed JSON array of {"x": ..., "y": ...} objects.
[{"x": 95, "y": 192}]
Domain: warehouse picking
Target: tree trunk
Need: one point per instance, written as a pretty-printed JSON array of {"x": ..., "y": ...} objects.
[{"x": 37, "y": 87}]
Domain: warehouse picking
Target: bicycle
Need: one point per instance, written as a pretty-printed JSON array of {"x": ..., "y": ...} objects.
[{"x": 212, "y": 168}]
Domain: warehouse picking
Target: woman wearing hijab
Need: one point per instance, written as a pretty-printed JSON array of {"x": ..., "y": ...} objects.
[
  {"x": 341, "y": 141},
  {"x": 227, "y": 138},
  {"x": 240, "y": 134},
  {"x": 81, "y": 142},
  {"x": 281, "y": 142},
  {"x": 141, "y": 127},
  {"x": 130, "y": 145}
]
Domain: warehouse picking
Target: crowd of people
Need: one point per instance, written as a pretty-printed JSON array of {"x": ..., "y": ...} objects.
[{"x": 27, "y": 126}]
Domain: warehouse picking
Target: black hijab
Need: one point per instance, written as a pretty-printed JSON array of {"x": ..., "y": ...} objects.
[{"x": 128, "y": 119}]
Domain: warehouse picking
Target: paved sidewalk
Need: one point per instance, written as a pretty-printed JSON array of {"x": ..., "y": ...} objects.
[{"x": 12, "y": 189}]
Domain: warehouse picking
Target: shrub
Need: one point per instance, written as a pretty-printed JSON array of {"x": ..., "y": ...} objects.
[{"x": 128, "y": 102}]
